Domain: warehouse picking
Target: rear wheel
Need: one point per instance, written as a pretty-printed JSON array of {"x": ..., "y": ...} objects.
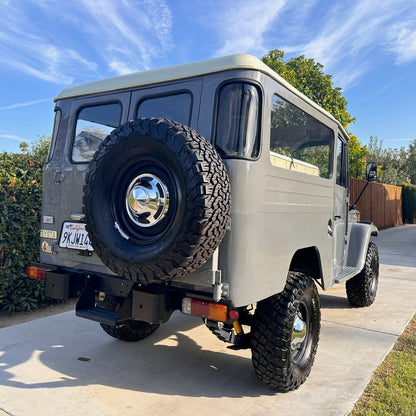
[
  {"x": 362, "y": 289},
  {"x": 285, "y": 334},
  {"x": 131, "y": 331}
]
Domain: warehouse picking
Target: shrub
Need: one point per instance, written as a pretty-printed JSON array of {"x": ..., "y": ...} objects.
[
  {"x": 20, "y": 210},
  {"x": 409, "y": 203}
]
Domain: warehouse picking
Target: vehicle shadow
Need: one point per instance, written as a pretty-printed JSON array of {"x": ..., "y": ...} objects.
[
  {"x": 334, "y": 302},
  {"x": 176, "y": 360}
]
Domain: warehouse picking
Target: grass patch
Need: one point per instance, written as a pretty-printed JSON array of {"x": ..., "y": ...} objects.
[{"x": 392, "y": 390}]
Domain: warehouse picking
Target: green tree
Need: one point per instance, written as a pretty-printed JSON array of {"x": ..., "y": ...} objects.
[
  {"x": 375, "y": 150},
  {"x": 393, "y": 164},
  {"x": 39, "y": 149},
  {"x": 24, "y": 147},
  {"x": 411, "y": 162},
  {"x": 308, "y": 76},
  {"x": 357, "y": 156}
]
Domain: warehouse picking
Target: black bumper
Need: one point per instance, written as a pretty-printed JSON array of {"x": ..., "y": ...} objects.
[{"x": 151, "y": 303}]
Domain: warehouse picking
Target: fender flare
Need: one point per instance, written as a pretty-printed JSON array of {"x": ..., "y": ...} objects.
[{"x": 360, "y": 235}]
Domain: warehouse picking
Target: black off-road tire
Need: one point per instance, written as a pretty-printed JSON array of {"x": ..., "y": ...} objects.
[
  {"x": 278, "y": 360},
  {"x": 362, "y": 289},
  {"x": 198, "y": 213},
  {"x": 130, "y": 331}
]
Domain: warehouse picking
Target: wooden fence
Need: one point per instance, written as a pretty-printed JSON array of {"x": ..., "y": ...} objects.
[{"x": 380, "y": 203}]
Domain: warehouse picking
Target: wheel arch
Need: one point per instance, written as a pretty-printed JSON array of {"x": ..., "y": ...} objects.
[{"x": 308, "y": 260}]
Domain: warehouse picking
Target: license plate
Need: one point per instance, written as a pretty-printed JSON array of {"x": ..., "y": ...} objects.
[{"x": 75, "y": 236}]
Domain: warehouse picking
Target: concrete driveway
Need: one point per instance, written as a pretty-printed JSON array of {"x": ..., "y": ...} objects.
[{"x": 68, "y": 366}]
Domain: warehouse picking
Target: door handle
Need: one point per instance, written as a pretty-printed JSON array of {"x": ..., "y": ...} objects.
[{"x": 330, "y": 228}]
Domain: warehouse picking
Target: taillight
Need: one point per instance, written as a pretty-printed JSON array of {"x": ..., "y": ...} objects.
[
  {"x": 36, "y": 273},
  {"x": 204, "y": 309}
]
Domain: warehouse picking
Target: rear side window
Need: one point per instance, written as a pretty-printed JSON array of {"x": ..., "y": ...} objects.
[
  {"x": 176, "y": 107},
  {"x": 298, "y": 141},
  {"x": 238, "y": 117},
  {"x": 94, "y": 124}
]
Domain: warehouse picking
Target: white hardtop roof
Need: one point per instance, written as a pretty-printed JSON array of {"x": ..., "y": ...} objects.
[{"x": 171, "y": 73}]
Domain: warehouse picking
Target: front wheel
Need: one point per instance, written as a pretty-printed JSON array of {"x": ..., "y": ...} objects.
[
  {"x": 362, "y": 289},
  {"x": 285, "y": 334}
]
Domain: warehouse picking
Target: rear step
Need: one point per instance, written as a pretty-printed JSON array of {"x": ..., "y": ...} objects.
[
  {"x": 86, "y": 305},
  {"x": 99, "y": 315},
  {"x": 151, "y": 304}
]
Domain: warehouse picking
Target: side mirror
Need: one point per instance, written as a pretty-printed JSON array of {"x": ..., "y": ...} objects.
[
  {"x": 371, "y": 175},
  {"x": 371, "y": 171}
]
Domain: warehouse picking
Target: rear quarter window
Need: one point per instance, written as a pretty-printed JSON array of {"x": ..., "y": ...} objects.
[{"x": 237, "y": 128}]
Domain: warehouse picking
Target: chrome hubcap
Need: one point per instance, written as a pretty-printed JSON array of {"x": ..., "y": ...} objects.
[
  {"x": 299, "y": 337},
  {"x": 147, "y": 200},
  {"x": 373, "y": 284},
  {"x": 373, "y": 276}
]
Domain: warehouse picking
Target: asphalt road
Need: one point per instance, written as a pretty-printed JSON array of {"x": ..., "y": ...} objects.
[{"x": 68, "y": 366}]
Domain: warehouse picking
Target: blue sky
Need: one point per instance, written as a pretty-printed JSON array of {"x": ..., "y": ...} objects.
[{"x": 369, "y": 47}]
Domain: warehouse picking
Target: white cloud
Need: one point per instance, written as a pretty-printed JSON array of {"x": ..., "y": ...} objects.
[
  {"x": 120, "y": 67},
  {"x": 336, "y": 35},
  {"x": 63, "y": 42},
  {"x": 25, "y": 104},
  {"x": 57, "y": 44},
  {"x": 242, "y": 26},
  {"x": 161, "y": 20},
  {"x": 25, "y": 48},
  {"x": 127, "y": 35},
  {"x": 346, "y": 36},
  {"x": 11, "y": 137},
  {"x": 401, "y": 40}
]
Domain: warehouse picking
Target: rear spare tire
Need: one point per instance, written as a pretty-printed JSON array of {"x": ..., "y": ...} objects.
[{"x": 156, "y": 200}]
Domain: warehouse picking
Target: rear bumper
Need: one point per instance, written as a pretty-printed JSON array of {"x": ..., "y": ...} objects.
[
  {"x": 152, "y": 303},
  {"x": 128, "y": 300}
]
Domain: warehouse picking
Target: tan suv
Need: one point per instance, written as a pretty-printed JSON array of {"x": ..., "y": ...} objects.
[{"x": 214, "y": 188}]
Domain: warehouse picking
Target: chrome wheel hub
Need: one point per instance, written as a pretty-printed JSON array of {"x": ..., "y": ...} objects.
[
  {"x": 147, "y": 200},
  {"x": 373, "y": 284},
  {"x": 299, "y": 337}
]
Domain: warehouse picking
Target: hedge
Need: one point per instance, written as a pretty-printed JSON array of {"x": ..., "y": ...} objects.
[
  {"x": 20, "y": 210},
  {"x": 409, "y": 203}
]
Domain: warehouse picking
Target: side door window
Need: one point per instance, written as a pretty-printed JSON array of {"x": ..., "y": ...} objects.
[
  {"x": 341, "y": 205},
  {"x": 342, "y": 163},
  {"x": 298, "y": 141}
]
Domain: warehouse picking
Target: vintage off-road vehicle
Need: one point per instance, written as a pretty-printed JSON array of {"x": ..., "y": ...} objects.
[{"x": 214, "y": 188}]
